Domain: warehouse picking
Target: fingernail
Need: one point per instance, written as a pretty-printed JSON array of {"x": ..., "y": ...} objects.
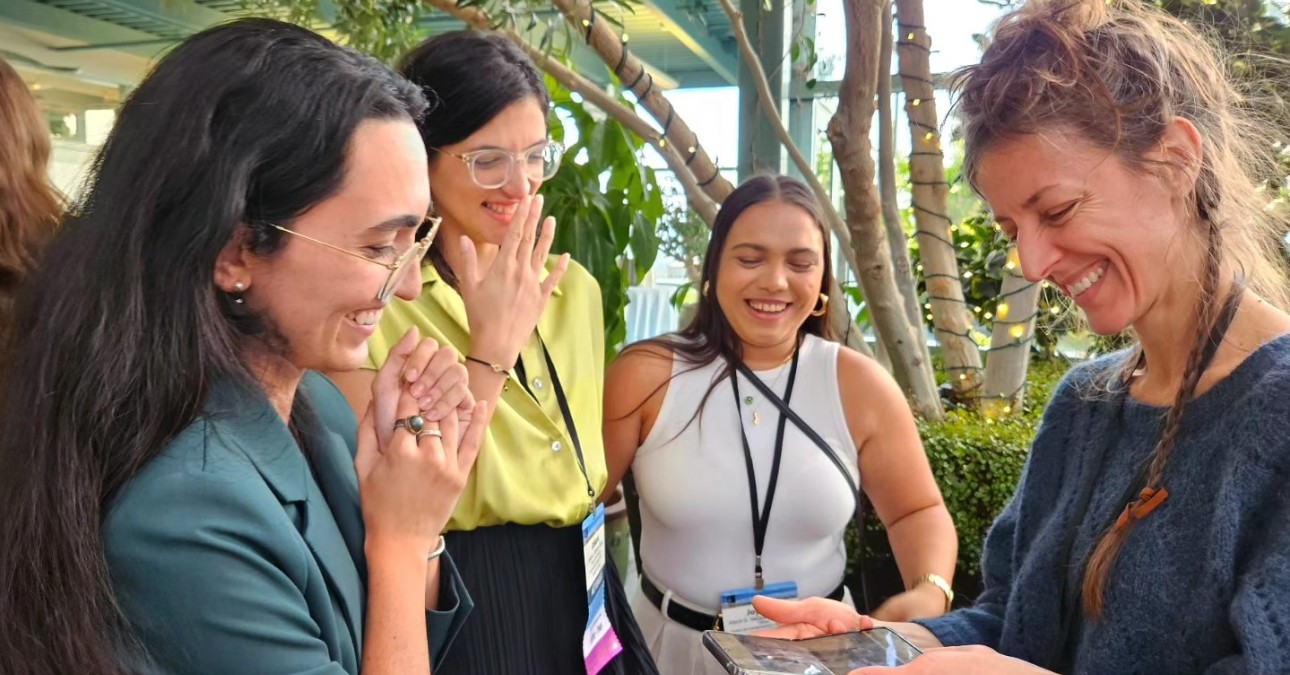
[
  {"x": 411, "y": 375},
  {"x": 434, "y": 415},
  {"x": 426, "y": 402},
  {"x": 418, "y": 389}
]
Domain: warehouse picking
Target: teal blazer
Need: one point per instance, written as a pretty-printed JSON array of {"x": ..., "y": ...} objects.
[{"x": 228, "y": 554}]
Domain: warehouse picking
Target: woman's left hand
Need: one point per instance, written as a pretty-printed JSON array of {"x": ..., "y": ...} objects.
[
  {"x": 439, "y": 382},
  {"x": 920, "y": 602},
  {"x": 972, "y": 660}
]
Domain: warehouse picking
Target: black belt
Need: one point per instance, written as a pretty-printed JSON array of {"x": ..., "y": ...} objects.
[{"x": 698, "y": 620}]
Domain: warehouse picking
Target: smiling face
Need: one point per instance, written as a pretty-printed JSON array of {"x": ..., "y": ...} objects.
[
  {"x": 1115, "y": 240},
  {"x": 321, "y": 301},
  {"x": 771, "y": 270},
  {"x": 485, "y": 214}
]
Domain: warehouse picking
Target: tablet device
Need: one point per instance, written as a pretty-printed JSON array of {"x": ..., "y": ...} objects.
[{"x": 826, "y": 655}]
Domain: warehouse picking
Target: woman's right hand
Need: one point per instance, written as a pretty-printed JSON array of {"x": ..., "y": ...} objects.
[
  {"x": 409, "y": 487},
  {"x": 504, "y": 302},
  {"x": 813, "y": 617}
]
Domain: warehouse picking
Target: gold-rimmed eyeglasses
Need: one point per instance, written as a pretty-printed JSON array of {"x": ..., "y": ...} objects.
[
  {"x": 397, "y": 268},
  {"x": 493, "y": 167}
]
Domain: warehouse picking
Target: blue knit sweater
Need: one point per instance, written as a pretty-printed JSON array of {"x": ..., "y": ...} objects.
[{"x": 1202, "y": 585}]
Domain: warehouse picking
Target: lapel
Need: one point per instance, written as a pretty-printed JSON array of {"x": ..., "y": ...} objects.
[{"x": 246, "y": 418}]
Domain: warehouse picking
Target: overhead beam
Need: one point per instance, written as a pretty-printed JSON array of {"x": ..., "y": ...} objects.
[
  {"x": 185, "y": 16},
  {"x": 719, "y": 55},
  {"x": 54, "y": 21}
]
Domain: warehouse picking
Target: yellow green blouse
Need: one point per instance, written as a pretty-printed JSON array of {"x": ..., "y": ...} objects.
[{"x": 527, "y": 471}]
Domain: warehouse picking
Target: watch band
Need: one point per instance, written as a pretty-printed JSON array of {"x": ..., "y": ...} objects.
[{"x": 939, "y": 582}]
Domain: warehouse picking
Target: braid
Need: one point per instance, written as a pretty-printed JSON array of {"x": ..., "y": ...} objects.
[{"x": 1108, "y": 547}]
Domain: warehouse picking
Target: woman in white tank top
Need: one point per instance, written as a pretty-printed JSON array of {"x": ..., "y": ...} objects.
[{"x": 700, "y": 439}]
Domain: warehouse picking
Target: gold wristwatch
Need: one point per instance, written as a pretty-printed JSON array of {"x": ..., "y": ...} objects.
[{"x": 939, "y": 582}]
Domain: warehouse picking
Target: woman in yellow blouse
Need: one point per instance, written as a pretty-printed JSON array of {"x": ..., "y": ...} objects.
[{"x": 531, "y": 329}]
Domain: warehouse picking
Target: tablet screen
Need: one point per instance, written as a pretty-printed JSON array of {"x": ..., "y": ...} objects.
[{"x": 837, "y": 654}]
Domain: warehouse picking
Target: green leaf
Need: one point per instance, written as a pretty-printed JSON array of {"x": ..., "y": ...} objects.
[{"x": 644, "y": 243}]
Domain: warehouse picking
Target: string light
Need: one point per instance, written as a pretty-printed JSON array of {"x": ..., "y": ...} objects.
[
  {"x": 1002, "y": 309},
  {"x": 1017, "y": 331}
]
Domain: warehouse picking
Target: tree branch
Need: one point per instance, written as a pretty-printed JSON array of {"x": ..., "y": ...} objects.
[
  {"x": 629, "y": 69},
  {"x": 836, "y": 225}
]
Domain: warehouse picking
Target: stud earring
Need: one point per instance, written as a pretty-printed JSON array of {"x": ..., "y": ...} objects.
[{"x": 238, "y": 287}]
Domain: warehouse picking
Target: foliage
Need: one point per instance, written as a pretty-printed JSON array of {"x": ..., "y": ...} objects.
[
  {"x": 977, "y": 463},
  {"x": 982, "y": 255},
  {"x": 683, "y": 236},
  {"x": 606, "y": 203},
  {"x": 382, "y": 28}
]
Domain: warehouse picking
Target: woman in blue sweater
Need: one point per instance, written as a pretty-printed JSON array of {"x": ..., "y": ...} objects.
[{"x": 1150, "y": 532}]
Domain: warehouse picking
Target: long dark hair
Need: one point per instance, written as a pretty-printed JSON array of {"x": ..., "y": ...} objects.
[
  {"x": 708, "y": 336},
  {"x": 1117, "y": 74},
  {"x": 30, "y": 206},
  {"x": 242, "y": 125},
  {"x": 469, "y": 78}
]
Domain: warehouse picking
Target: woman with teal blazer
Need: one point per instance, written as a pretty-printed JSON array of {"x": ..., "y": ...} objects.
[{"x": 180, "y": 492}]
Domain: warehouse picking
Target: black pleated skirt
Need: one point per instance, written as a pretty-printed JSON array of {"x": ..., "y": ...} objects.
[{"x": 528, "y": 584}]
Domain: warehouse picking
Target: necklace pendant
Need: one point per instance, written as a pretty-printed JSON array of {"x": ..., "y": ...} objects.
[{"x": 756, "y": 418}]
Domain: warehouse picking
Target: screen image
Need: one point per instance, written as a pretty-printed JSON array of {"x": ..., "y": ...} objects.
[{"x": 830, "y": 654}]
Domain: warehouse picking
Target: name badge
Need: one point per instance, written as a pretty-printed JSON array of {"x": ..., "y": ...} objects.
[
  {"x": 600, "y": 643},
  {"x": 737, "y": 613}
]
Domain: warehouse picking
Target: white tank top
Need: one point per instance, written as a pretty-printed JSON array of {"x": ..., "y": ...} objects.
[{"x": 696, "y": 519}]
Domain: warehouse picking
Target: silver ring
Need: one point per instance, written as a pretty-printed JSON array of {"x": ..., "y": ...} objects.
[
  {"x": 429, "y": 432},
  {"x": 414, "y": 424}
]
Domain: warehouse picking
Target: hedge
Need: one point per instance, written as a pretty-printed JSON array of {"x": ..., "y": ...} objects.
[{"x": 977, "y": 463}]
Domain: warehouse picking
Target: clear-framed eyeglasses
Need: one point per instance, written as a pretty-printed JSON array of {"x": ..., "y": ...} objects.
[
  {"x": 492, "y": 167},
  {"x": 398, "y": 268}
]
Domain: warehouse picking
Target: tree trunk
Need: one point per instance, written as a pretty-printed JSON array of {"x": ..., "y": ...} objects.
[
  {"x": 849, "y": 134},
  {"x": 1014, "y": 331},
  {"x": 902, "y": 268},
  {"x": 599, "y": 35},
  {"x": 950, "y": 316},
  {"x": 846, "y": 330}
]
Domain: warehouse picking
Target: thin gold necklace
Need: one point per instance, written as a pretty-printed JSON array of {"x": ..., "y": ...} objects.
[{"x": 750, "y": 400}]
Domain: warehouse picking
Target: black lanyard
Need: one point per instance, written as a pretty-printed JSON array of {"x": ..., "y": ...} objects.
[
  {"x": 564, "y": 412},
  {"x": 761, "y": 516}
]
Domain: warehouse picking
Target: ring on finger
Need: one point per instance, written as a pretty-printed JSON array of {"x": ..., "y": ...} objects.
[
  {"x": 434, "y": 433},
  {"x": 414, "y": 424}
]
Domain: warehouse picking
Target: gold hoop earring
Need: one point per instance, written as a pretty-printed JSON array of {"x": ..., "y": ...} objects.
[
  {"x": 705, "y": 289},
  {"x": 824, "y": 306}
]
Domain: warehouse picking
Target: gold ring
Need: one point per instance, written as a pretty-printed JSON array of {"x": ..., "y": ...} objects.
[{"x": 414, "y": 424}]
